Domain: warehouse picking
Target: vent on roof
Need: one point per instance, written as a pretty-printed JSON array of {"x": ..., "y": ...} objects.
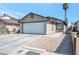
[
  {"x": 5, "y": 15},
  {"x": 32, "y": 16}
]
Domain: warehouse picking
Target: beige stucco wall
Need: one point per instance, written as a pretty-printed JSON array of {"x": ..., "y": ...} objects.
[
  {"x": 51, "y": 28},
  {"x": 64, "y": 28},
  {"x": 75, "y": 41},
  {"x": 77, "y": 46},
  {"x": 20, "y": 27}
]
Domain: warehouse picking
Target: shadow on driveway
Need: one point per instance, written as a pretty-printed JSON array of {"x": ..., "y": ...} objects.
[{"x": 66, "y": 46}]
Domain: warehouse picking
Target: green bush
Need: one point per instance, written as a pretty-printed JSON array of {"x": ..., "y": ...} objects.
[
  {"x": 3, "y": 29},
  {"x": 1, "y": 26}
]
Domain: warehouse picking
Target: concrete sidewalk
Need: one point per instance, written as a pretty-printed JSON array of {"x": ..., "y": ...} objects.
[{"x": 66, "y": 46}]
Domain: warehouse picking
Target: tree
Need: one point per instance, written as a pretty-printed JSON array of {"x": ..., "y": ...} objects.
[{"x": 65, "y": 7}]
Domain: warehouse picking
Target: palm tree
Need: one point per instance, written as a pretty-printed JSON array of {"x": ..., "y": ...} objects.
[{"x": 65, "y": 7}]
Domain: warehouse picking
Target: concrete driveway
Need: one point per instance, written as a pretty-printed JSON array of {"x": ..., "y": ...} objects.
[
  {"x": 56, "y": 43},
  {"x": 10, "y": 42}
]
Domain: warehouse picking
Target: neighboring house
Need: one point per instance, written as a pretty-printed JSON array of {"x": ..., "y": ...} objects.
[
  {"x": 1, "y": 22},
  {"x": 75, "y": 26},
  {"x": 37, "y": 24},
  {"x": 10, "y": 23}
]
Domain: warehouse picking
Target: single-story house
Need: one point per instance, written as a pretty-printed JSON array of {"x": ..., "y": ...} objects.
[
  {"x": 36, "y": 24},
  {"x": 10, "y": 23},
  {"x": 75, "y": 26}
]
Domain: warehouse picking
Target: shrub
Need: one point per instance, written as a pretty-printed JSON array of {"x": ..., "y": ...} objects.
[
  {"x": 3, "y": 29},
  {"x": 14, "y": 30}
]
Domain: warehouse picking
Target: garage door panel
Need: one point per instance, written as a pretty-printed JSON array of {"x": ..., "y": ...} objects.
[{"x": 35, "y": 28}]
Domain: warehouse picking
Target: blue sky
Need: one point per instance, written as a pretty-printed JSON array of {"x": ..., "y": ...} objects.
[{"x": 19, "y": 10}]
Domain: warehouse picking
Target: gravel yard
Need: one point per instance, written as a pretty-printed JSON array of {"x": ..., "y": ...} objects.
[{"x": 48, "y": 43}]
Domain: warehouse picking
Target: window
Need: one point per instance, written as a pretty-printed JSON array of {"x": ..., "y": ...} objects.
[{"x": 59, "y": 27}]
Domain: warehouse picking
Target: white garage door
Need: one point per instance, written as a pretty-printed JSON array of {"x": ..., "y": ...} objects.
[{"x": 34, "y": 28}]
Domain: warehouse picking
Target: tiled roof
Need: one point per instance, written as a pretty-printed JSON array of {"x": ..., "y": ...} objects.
[
  {"x": 33, "y": 14},
  {"x": 11, "y": 20},
  {"x": 46, "y": 19},
  {"x": 33, "y": 20},
  {"x": 56, "y": 20},
  {"x": 2, "y": 22}
]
